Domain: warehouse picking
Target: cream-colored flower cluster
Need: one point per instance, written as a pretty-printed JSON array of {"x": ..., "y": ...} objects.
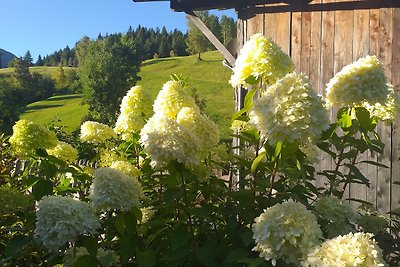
[
  {"x": 107, "y": 258},
  {"x": 63, "y": 151},
  {"x": 290, "y": 110},
  {"x": 29, "y": 136},
  {"x": 113, "y": 189},
  {"x": 361, "y": 81},
  {"x": 177, "y": 130},
  {"x": 263, "y": 59},
  {"x": 359, "y": 249},
  {"x": 135, "y": 109},
  {"x": 113, "y": 159},
  {"x": 388, "y": 111},
  {"x": 286, "y": 231},
  {"x": 125, "y": 167},
  {"x": 96, "y": 132},
  {"x": 147, "y": 213},
  {"x": 62, "y": 219}
]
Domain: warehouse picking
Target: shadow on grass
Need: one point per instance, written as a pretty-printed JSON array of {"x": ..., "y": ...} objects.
[
  {"x": 37, "y": 107},
  {"x": 155, "y": 61},
  {"x": 58, "y": 98}
]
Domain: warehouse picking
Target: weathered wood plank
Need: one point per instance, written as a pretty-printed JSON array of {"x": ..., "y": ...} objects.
[
  {"x": 395, "y": 203},
  {"x": 315, "y": 50},
  {"x": 385, "y": 56},
  {"x": 305, "y": 42},
  {"x": 271, "y": 25},
  {"x": 256, "y": 22},
  {"x": 283, "y": 31},
  {"x": 295, "y": 52},
  {"x": 361, "y": 49}
]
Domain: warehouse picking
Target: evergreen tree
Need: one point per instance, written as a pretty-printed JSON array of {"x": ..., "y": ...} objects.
[
  {"x": 60, "y": 77},
  {"x": 28, "y": 58},
  {"x": 228, "y": 27},
  {"x": 39, "y": 61},
  {"x": 178, "y": 43},
  {"x": 196, "y": 41}
]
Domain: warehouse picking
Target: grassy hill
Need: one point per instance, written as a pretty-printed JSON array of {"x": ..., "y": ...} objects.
[
  {"x": 209, "y": 77},
  {"x": 50, "y": 72}
]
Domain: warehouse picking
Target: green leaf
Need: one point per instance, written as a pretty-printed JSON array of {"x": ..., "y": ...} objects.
[
  {"x": 120, "y": 223},
  {"x": 130, "y": 222},
  {"x": 205, "y": 256},
  {"x": 146, "y": 258},
  {"x": 257, "y": 161},
  {"x": 86, "y": 261},
  {"x": 278, "y": 149},
  {"x": 345, "y": 121},
  {"x": 252, "y": 80},
  {"x": 180, "y": 237},
  {"x": 248, "y": 104},
  {"x": 378, "y": 164},
  {"x": 16, "y": 244},
  {"x": 364, "y": 119},
  {"x": 236, "y": 255},
  {"x": 91, "y": 245},
  {"x": 42, "y": 188}
]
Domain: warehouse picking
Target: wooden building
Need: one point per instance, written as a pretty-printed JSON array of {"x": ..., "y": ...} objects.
[{"x": 322, "y": 36}]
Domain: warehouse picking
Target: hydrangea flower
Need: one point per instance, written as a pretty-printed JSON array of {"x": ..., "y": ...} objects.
[
  {"x": 107, "y": 258},
  {"x": 62, "y": 219},
  {"x": 96, "y": 132},
  {"x": 29, "y": 136},
  {"x": 125, "y": 167},
  {"x": 164, "y": 141},
  {"x": 63, "y": 151},
  {"x": 108, "y": 156},
  {"x": 135, "y": 108},
  {"x": 177, "y": 130},
  {"x": 290, "y": 110},
  {"x": 286, "y": 231},
  {"x": 147, "y": 214},
  {"x": 260, "y": 57},
  {"x": 359, "y": 249},
  {"x": 360, "y": 81},
  {"x": 388, "y": 111},
  {"x": 171, "y": 99},
  {"x": 113, "y": 189}
]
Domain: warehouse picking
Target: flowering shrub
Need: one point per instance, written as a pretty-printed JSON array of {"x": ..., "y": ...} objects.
[
  {"x": 286, "y": 231},
  {"x": 166, "y": 192},
  {"x": 359, "y": 249},
  {"x": 62, "y": 219},
  {"x": 28, "y": 136},
  {"x": 260, "y": 59},
  {"x": 113, "y": 189}
]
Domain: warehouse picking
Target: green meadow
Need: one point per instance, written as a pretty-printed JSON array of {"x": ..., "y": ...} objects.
[{"x": 209, "y": 77}]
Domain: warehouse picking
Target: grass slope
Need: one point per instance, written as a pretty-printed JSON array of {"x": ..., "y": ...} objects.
[{"x": 209, "y": 77}]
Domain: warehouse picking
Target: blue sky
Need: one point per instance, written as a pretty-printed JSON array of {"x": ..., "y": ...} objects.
[{"x": 43, "y": 26}]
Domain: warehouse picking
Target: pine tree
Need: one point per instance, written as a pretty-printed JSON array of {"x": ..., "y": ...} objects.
[
  {"x": 39, "y": 61},
  {"x": 28, "y": 58}
]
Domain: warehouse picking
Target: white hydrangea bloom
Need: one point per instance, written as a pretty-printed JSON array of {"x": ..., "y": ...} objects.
[
  {"x": 360, "y": 81},
  {"x": 96, "y": 132},
  {"x": 171, "y": 99},
  {"x": 286, "y": 231},
  {"x": 107, "y": 258},
  {"x": 290, "y": 110},
  {"x": 135, "y": 109},
  {"x": 63, "y": 151},
  {"x": 113, "y": 189},
  {"x": 359, "y": 249},
  {"x": 164, "y": 140},
  {"x": 29, "y": 136},
  {"x": 62, "y": 219},
  {"x": 388, "y": 111},
  {"x": 262, "y": 58}
]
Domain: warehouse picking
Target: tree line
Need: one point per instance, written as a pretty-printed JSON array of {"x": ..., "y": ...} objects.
[
  {"x": 153, "y": 43},
  {"x": 107, "y": 67}
]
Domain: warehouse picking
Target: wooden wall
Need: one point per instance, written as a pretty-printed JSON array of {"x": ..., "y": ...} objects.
[{"x": 323, "y": 36}]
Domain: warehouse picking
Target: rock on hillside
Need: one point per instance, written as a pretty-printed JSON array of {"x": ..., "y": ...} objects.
[{"x": 5, "y": 57}]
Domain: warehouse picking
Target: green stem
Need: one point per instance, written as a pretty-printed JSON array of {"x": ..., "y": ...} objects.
[
  {"x": 346, "y": 182},
  {"x": 187, "y": 204}
]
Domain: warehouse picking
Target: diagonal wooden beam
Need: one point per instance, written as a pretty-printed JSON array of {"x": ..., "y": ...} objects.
[{"x": 210, "y": 36}]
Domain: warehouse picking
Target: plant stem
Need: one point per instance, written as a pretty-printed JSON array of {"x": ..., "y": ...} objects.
[
  {"x": 346, "y": 182},
  {"x": 186, "y": 200}
]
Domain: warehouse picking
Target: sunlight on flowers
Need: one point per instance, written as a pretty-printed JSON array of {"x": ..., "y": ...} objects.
[
  {"x": 290, "y": 110},
  {"x": 29, "y": 136},
  {"x": 135, "y": 109},
  {"x": 63, "y": 151},
  {"x": 263, "y": 59},
  {"x": 361, "y": 81},
  {"x": 96, "y": 132}
]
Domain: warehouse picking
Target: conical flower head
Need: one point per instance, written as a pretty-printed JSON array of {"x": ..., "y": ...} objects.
[
  {"x": 171, "y": 99},
  {"x": 360, "y": 81},
  {"x": 29, "y": 136},
  {"x": 96, "y": 132},
  {"x": 263, "y": 59},
  {"x": 135, "y": 109},
  {"x": 290, "y": 110},
  {"x": 63, "y": 151}
]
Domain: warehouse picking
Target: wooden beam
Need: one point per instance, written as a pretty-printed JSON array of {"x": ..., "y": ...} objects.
[{"x": 210, "y": 36}]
